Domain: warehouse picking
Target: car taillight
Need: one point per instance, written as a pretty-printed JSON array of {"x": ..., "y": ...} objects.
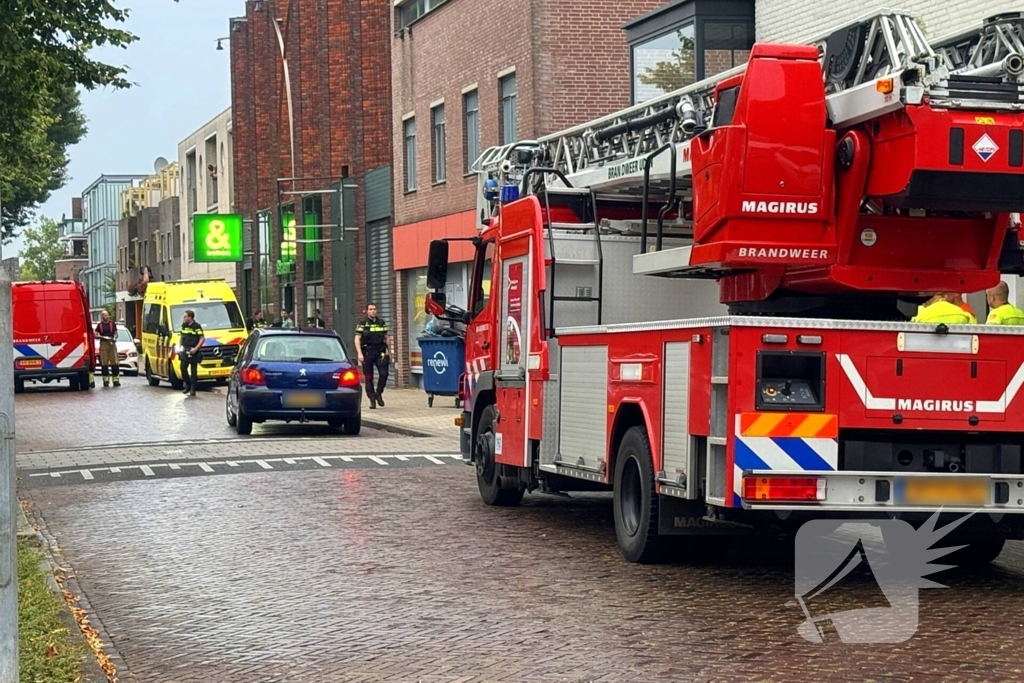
[
  {"x": 347, "y": 378},
  {"x": 253, "y": 376},
  {"x": 784, "y": 489}
]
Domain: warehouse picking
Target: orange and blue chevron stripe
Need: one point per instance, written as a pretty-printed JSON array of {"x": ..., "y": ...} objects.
[{"x": 800, "y": 425}]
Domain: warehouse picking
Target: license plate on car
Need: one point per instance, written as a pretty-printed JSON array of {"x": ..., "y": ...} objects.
[
  {"x": 220, "y": 372},
  {"x": 304, "y": 399},
  {"x": 943, "y": 491}
]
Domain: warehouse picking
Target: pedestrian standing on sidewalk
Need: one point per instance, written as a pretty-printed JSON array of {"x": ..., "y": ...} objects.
[
  {"x": 192, "y": 338},
  {"x": 315, "y": 320},
  {"x": 106, "y": 330},
  {"x": 286, "y": 319},
  {"x": 372, "y": 346}
]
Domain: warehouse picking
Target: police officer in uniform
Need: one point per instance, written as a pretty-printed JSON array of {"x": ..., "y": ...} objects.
[
  {"x": 192, "y": 339},
  {"x": 257, "y": 322},
  {"x": 372, "y": 347}
]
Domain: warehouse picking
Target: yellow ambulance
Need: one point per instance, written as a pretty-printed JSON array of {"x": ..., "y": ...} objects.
[{"x": 216, "y": 311}]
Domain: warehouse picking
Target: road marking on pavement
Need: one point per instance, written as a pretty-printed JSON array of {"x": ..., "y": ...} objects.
[{"x": 88, "y": 474}]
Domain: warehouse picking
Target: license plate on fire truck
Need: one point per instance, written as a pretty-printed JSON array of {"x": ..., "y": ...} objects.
[{"x": 942, "y": 491}]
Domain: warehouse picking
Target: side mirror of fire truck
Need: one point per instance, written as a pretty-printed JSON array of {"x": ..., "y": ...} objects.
[{"x": 437, "y": 264}]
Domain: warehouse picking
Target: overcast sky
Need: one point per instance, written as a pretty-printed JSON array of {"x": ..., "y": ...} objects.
[{"x": 182, "y": 82}]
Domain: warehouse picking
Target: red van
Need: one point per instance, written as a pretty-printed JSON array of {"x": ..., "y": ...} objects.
[{"x": 53, "y": 335}]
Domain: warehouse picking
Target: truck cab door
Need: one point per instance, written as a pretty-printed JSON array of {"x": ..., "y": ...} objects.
[{"x": 510, "y": 439}]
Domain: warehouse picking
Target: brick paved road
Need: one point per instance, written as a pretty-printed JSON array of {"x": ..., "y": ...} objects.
[
  {"x": 402, "y": 575},
  {"x": 50, "y": 418}
]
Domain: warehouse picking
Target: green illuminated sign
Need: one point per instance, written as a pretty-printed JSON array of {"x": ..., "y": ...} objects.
[{"x": 217, "y": 237}]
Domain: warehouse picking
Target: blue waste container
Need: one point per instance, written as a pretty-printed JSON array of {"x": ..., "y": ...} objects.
[{"x": 444, "y": 361}]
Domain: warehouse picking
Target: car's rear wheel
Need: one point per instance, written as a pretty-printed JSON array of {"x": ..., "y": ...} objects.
[
  {"x": 243, "y": 423},
  {"x": 229, "y": 411},
  {"x": 153, "y": 381},
  {"x": 352, "y": 425}
]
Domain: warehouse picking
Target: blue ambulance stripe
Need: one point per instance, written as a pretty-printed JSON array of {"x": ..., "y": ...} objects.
[
  {"x": 805, "y": 457},
  {"x": 746, "y": 459}
]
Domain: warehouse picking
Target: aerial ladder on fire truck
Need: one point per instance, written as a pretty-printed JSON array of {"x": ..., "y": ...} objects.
[
  {"x": 717, "y": 282},
  {"x": 641, "y": 156}
]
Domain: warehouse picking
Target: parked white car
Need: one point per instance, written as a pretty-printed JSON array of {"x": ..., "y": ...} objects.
[{"x": 127, "y": 352}]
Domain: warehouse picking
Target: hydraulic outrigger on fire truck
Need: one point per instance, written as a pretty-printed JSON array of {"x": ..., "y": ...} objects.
[{"x": 826, "y": 189}]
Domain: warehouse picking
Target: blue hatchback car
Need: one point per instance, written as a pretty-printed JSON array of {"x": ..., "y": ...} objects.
[{"x": 302, "y": 375}]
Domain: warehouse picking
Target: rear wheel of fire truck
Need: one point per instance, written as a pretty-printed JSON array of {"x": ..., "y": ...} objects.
[
  {"x": 83, "y": 381},
  {"x": 635, "y": 502},
  {"x": 978, "y": 553},
  {"x": 74, "y": 383},
  {"x": 488, "y": 472},
  {"x": 19, "y": 385}
]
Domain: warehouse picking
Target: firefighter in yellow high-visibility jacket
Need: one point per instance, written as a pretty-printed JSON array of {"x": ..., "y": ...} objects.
[
  {"x": 1001, "y": 311},
  {"x": 942, "y": 309}
]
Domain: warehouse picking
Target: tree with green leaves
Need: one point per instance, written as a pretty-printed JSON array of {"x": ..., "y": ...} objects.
[
  {"x": 44, "y": 48},
  {"x": 679, "y": 71},
  {"x": 42, "y": 250}
]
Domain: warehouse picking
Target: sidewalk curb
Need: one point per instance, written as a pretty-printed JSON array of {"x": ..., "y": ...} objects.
[
  {"x": 53, "y": 561},
  {"x": 395, "y": 429}
]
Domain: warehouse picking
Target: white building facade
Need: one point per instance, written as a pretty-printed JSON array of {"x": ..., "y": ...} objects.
[
  {"x": 207, "y": 172},
  {"x": 794, "y": 20}
]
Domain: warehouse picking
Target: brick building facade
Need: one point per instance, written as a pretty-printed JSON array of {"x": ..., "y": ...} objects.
[
  {"x": 338, "y": 55},
  {"x": 463, "y": 66}
]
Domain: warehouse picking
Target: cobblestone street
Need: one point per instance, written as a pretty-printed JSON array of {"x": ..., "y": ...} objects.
[{"x": 380, "y": 563}]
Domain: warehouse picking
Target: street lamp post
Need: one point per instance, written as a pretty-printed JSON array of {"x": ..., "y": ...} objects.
[{"x": 8, "y": 498}]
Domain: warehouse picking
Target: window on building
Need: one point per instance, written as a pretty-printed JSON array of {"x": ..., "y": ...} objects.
[
  {"x": 266, "y": 264},
  {"x": 289, "y": 248},
  {"x": 409, "y": 145},
  {"x": 409, "y": 11},
  {"x": 313, "y": 250},
  {"x": 439, "y": 153},
  {"x": 190, "y": 181},
  {"x": 726, "y": 46},
  {"x": 211, "y": 171},
  {"x": 509, "y": 112},
  {"x": 470, "y": 129},
  {"x": 665, "y": 63},
  {"x": 686, "y": 42}
]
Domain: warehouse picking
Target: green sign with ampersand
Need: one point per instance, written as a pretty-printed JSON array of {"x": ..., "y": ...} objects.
[{"x": 217, "y": 237}]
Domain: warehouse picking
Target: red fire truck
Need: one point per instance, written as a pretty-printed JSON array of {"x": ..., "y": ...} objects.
[{"x": 702, "y": 303}]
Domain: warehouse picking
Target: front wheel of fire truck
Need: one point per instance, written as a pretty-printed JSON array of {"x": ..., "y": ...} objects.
[
  {"x": 488, "y": 472},
  {"x": 635, "y": 501}
]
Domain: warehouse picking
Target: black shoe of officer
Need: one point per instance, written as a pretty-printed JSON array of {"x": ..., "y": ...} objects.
[
  {"x": 185, "y": 391},
  {"x": 373, "y": 403},
  {"x": 380, "y": 400}
]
